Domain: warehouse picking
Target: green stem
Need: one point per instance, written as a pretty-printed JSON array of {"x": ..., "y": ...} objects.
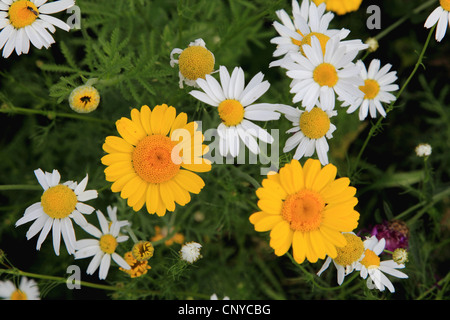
[
  {"x": 391, "y": 106},
  {"x": 52, "y": 114}
]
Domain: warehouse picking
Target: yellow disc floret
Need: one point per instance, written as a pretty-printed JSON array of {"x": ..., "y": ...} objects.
[
  {"x": 323, "y": 39},
  {"x": 138, "y": 268},
  {"x": 445, "y": 4},
  {"x": 22, "y": 13},
  {"x": 303, "y": 210},
  {"x": 18, "y": 295},
  {"x": 315, "y": 123},
  {"x": 196, "y": 62},
  {"x": 108, "y": 244},
  {"x": 325, "y": 74},
  {"x": 152, "y": 159},
  {"x": 231, "y": 112},
  {"x": 84, "y": 99},
  {"x": 370, "y": 260},
  {"x": 370, "y": 89},
  {"x": 59, "y": 201},
  {"x": 351, "y": 252}
]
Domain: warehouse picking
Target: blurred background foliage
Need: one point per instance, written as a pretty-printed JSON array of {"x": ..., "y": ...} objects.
[{"x": 126, "y": 46}]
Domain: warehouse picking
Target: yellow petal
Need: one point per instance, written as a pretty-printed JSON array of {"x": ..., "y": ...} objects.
[
  {"x": 281, "y": 238},
  {"x": 169, "y": 117},
  {"x": 325, "y": 176},
  {"x": 118, "y": 169},
  {"x": 268, "y": 222},
  {"x": 118, "y": 144},
  {"x": 181, "y": 196},
  {"x": 146, "y": 115},
  {"x": 167, "y": 196},
  {"x": 318, "y": 243},
  {"x": 115, "y": 157},
  {"x": 299, "y": 247},
  {"x": 118, "y": 185},
  {"x": 130, "y": 187},
  {"x": 286, "y": 179},
  {"x": 269, "y": 206},
  {"x": 311, "y": 170},
  {"x": 129, "y": 131},
  {"x": 152, "y": 198},
  {"x": 334, "y": 188},
  {"x": 275, "y": 187},
  {"x": 189, "y": 181},
  {"x": 138, "y": 194},
  {"x": 158, "y": 118},
  {"x": 179, "y": 122},
  {"x": 298, "y": 178}
]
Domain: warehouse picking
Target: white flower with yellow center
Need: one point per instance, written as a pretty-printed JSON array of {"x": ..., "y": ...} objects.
[
  {"x": 194, "y": 62},
  {"x": 441, "y": 16},
  {"x": 27, "y": 290},
  {"x": 311, "y": 129},
  {"x": 235, "y": 104},
  {"x": 60, "y": 203},
  {"x": 22, "y": 22},
  {"x": 347, "y": 257},
  {"x": 370, "y": 265},
  {"x": 103, "y": 248},
  {"x": 308, "y": 21},
  {"x": 377, "y": 88},
  {"x": 319, "y": 77}
]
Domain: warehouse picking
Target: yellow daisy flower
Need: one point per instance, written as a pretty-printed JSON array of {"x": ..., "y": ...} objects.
[
  {"x": 148, "y": 166},
  {"x": 340, "y": 6},
  {"x": 306, "y": 208}
]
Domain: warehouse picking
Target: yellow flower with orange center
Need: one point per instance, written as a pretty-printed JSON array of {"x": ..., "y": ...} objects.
[
  {"x": 306, "y": 208},
  {"x": 154, "y": 160},
  {"x": 340, "y": 6}
]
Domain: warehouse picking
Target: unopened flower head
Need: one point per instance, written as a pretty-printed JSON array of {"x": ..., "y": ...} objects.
[
  {"x": 400, "y": 256},
  {"x": 423, "y": 150},
  {"x": 194, "y": 62},
  {"x": 143, "y": 250},
  {"x": 190, "y": 252},
  {"x": 84, "y": 99},
  {"x": 373, "y": 44},
  {"x": 137, "y": 268},
  {"x": 60, "y": 203},
  {"x": 22, "y": 22},
  {"x": 441, "y": 16},
  {"x": 306, "y": 208},
  {"x": 28, "y": 290}
]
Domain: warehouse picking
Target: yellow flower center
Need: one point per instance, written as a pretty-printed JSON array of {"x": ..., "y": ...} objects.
[
  {"x": 231, "y": 112},
  {"x": 152, "y": 159},
  {"x": 84, "y": 99},
  {"x": 323, "y": 39},
  {"x": 315, "y": 123},
  {"x": 18, "y": 295},
  {"x": 108, "y": 244},
  {"x": 22, "y": 13},
  {"x": 325, "y": 74},
  {"x": 303, "y": 210},
  {"x": 143, "y": 250},
  {"x": 370, "y": 89},
  {"x": 370, "y": 260},
  {"x": 59, "y": 201},
  {"x": 351, "y": 252},
  {"x": 445, "y": 4},
  {"x": 196, "y": 62}
]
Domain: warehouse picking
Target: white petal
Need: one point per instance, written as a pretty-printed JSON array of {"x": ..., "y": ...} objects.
[
  {"x": 104, "y": 267},
  {"x": 56, "y": 6},
  {"x": 56, "y": 235},
  {"x": 120, "y": 261},
  {"x": 44, "y": 232}
]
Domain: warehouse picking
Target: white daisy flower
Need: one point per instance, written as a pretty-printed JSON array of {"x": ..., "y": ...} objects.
[
  {"x": 194, "y": 62},
  {"x": 347, "y": 257},
  {"x": 103, "y": 248},
  {"x": 112, "y": 214},
  {"x": 22, "y": 22},
  {"x": 27, "y": 290},
  {"x": 370, "y": 265},
  {"x": 378, "y": 83},
  {"x": 60, "y": 203},
  {"x": 308, "y": 21},
  {"x": 441, "y": 16},
  {"x": 235, "y": 104},
  {"x": 319, "y": 77},
  {"x": 310, "y": 132},
  {"x": 190, "y": 252}
]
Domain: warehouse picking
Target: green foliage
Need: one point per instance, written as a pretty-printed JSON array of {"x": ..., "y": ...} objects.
[{"x": 124, "y": 47}]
